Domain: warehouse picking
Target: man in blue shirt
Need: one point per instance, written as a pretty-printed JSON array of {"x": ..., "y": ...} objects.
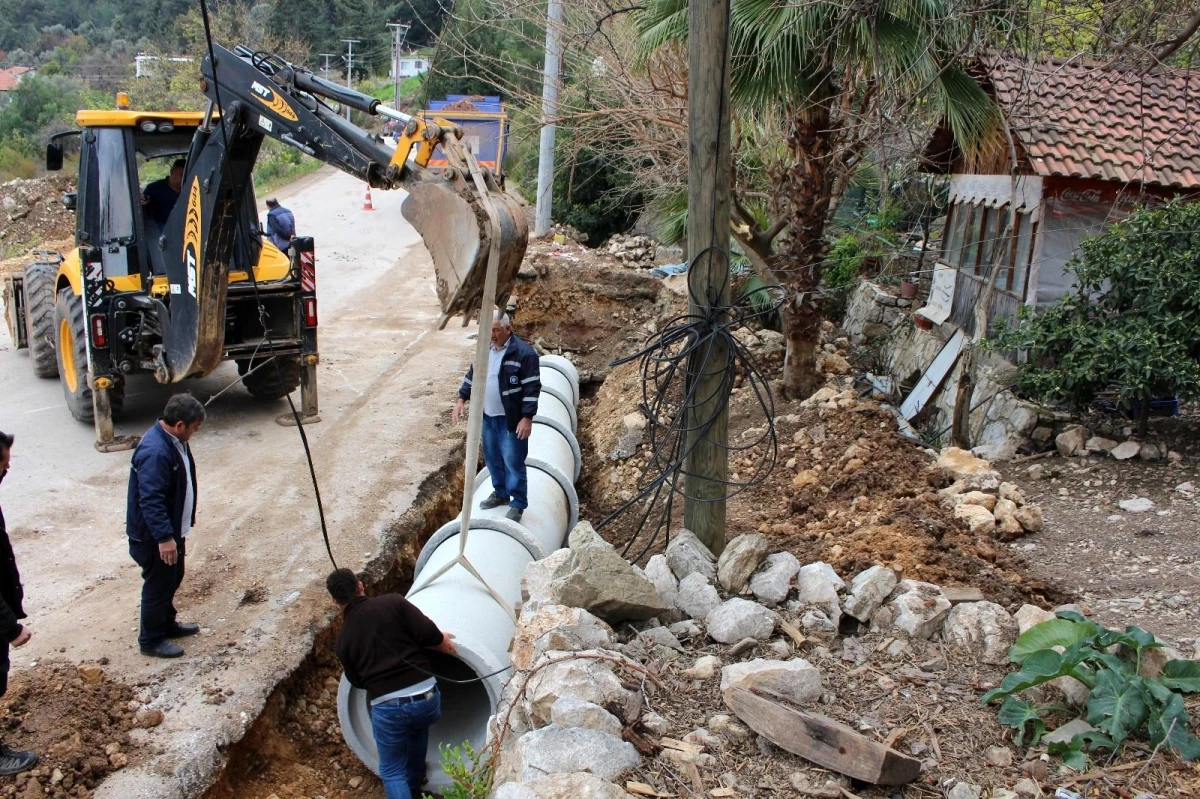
[
  {"x": 281, "y": 225},
  {"x": 160, "y": 196},
  {"x": 159, "y": 515}
]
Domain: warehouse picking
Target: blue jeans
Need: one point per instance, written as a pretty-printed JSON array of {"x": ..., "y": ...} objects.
[
  {"x": 504, "y": 455},
  {"x": 401, "y": 731}
]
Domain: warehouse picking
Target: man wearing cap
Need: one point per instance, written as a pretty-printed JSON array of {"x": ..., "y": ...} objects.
[{"x": 281, "y": 225}]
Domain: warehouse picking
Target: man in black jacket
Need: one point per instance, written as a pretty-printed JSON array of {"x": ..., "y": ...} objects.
[
  {"x": 12, "y": 632},
  {"x": 510, "y": 401},
  {"x": 382, "y": 647},
  {"x": 159, "y": 514}
]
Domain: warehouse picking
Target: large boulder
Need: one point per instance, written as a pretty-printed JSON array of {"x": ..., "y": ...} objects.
[
  {"x": 983, "y": 628},
  {"x": 868, "y": 590},
  {"x": 1030, "y": 616},
  {"x": 697, "y": 597},
  {"x": 539, "y": 574},
  {"x": 960, "y": 464},
  {"x": 556, "y": 628},
  {"x": 739, "y": 560},
  {"x": 979, "y": 519},
  {"x": 687, "y": 555},
  {"x": 1072, "y": 441},
  {"x": 603, "y": 582},
  {"x": 563, "y": 750},
  {"x": 589, "y": 679},
  {"x": 796, "y": 681},
  {"x": 736, "y": 619},
  {"x": 568, "y": 712},
  {"x": 822, "y": 569},
  {"x": 918, "y": 608},
  {"x": 814, "y": 590},
  {"x": 773, "y": 580},
  {"x": 1030, "y": 518},
  {"x": 1125, "y": 450},
  {"x": 577, "y": 785},
  {"x": 659, "y": 573},
  {"x": 1008, "y": 526}
]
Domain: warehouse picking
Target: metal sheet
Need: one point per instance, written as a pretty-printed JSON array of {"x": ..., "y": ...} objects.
[{"x": 927, "y": 386}]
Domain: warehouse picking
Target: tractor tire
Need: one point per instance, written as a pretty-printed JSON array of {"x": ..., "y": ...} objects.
[
  {"x": 268, "y": 382},
  {"x": 70, "y": 347},
  {"x": 39, "y": 318}
]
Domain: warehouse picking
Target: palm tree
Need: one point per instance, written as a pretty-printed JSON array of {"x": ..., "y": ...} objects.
[{"x": 840, "y": 72}]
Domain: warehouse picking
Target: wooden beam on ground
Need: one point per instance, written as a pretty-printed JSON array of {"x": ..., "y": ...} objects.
[
  {"x": 823, "y": 741},
  {"x": 959, "y": 595}
]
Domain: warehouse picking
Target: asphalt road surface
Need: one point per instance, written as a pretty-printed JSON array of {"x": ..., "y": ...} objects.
[{"x": 387, "y": 379}]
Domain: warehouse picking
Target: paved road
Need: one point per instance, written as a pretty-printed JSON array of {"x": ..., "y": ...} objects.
[{"x": 387, "y": 378}]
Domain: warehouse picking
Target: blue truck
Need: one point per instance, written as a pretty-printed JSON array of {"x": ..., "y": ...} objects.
[{"x": 484, "y": 124}]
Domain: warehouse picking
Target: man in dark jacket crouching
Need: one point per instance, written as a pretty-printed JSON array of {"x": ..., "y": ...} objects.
[
  {"x": 160, "y": 512},
  {"x": 382, "y": 646}
]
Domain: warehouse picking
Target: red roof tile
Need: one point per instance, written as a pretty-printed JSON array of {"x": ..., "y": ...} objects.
[
  {"x": 9, "y": 77},
  {"x": 1082, "y": 119}
]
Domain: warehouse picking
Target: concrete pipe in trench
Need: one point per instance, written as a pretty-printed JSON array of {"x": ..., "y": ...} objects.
[{"x": 499, "y": 549}]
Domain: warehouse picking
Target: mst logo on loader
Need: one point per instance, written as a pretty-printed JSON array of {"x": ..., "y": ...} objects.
[
  {"x": 191, "y": 237},
  {"x": 272, "y": 101}
]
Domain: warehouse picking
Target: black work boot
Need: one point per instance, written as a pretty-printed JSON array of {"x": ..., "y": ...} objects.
[
  {"x": 493, "y": 501},
  {"x": 14, "y": 762},
  {"x": 514, "y": 514},
  {"x": 163, "y": 649}
]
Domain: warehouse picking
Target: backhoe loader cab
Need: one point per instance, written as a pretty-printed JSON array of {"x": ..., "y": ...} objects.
[{"x": 96, "y": 315}]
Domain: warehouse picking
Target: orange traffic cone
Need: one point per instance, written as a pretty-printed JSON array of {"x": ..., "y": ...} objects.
[{"x": 367, "y": 201}]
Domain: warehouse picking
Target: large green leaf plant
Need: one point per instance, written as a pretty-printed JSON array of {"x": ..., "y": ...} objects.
[{"x": 1123, "y": 703}]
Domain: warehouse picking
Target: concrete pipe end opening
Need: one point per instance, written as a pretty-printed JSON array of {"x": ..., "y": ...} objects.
[{"x": 465, "y": 710}]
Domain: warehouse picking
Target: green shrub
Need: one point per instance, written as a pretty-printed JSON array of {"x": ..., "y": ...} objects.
[
  {"x": 1132, "y": 322},
  {"x": 469, "y": 771}
]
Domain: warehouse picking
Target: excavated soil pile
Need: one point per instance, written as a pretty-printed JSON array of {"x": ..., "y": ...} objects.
[
  {"x": 846, "y": 489},
  {"x": 585, "y": 304},
  {"x": 32, "y": 213},
  {"x": 77, "y": 720}
]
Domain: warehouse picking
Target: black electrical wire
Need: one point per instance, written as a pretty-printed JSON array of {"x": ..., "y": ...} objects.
[
  {"x": 262, "y": 311},
  {"x": 689, "y": 346}
]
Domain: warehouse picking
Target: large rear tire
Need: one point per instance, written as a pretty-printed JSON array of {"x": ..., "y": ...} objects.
[
  {"x": 70, "y": 344},
  {"x": 38, "y": 287},
  {"x": 267, "y": 382}
]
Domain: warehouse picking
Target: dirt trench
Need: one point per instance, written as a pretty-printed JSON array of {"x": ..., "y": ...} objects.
[{"x": 295, "y": 747}]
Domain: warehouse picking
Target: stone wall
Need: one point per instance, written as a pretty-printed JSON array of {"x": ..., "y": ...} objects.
[{"x": 1000, "y": 422}]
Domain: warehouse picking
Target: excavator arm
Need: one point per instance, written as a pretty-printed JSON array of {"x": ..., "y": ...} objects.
[{"x": 460, "y": 213}]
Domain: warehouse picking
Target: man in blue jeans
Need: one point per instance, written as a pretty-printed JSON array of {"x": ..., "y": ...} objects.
[
  {"x": 510, "y": 401},
  {"x": 382, "y": 646}
]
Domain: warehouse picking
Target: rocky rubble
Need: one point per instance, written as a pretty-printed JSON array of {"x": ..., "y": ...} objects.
[
  {"x": 634, "y": 250},
  {"x": 578, "y": 718},
  {"x": 32, "y": 211},
  {"x": 978, "y": 497},
  {"x": 1076, "y": 440}
]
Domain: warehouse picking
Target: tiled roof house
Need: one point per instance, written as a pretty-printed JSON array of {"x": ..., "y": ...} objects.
[{"x": 1091, "y": 142}]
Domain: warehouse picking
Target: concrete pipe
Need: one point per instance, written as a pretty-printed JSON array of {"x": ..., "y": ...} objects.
[
  {"x": 555, "y": 386},
  {"x": 499, "y": 549}
]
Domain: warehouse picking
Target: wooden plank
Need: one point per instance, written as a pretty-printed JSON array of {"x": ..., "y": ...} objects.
[
  {"x": 823, "y": 741},
  {"x": 792, "y": 632},
  {"x": 960, "y": 594},
  {"x": 682, "y": 746}
]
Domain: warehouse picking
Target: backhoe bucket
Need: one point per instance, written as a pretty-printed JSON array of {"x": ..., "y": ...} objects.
[{"x": 450, "y": 216}]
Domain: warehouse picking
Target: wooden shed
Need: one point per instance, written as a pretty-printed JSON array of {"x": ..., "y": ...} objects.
[{"x": 1091, "y": 143}]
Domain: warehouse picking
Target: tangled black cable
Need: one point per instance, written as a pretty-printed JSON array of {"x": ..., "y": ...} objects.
[{"x": 688, "y": 346}]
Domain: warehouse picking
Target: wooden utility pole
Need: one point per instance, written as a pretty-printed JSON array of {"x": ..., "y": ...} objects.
[{"x": 709, "y": 167}]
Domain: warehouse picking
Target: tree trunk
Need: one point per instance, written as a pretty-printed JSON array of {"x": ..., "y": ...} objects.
[
  {"x": 809, "y": 191},
  {"x": 1144, "y": 417}
]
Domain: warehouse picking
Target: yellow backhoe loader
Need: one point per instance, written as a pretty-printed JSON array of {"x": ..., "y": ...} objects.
[{"x": 177, "y": 299}]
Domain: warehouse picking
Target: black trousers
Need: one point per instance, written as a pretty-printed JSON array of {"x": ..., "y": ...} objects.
[
  {"x": 159, "y": 584},
  {"x": 4, "y": 664}
]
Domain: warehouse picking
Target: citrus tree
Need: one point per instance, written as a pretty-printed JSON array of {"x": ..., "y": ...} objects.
[{"x": 1131, "y": 324}]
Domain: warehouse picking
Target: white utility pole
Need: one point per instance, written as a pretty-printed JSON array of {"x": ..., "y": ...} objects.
[
  {"x": 399, "y": 31},
  {"x": 350, "y": 66},
  {"x": 327, "y": 56},
  {"x": 545, "y": 181}
]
